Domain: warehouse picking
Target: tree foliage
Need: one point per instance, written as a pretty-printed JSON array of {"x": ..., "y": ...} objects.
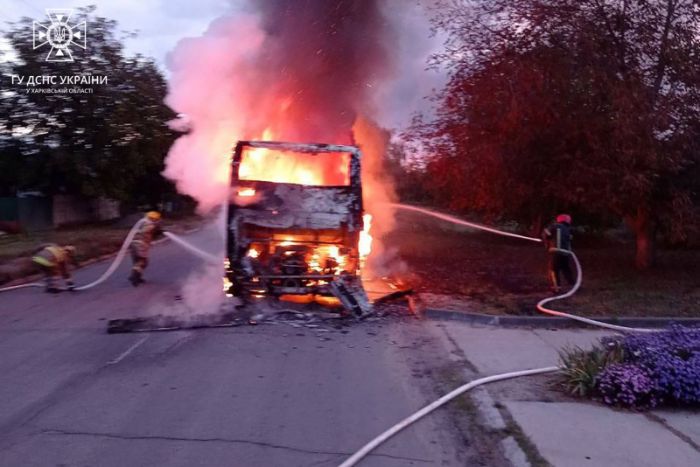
[
  {"x": 111, "y": 142},
  {"x": 585, "y": 105}
]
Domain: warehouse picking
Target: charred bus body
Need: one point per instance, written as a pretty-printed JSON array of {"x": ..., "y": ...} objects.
[{"x": 295, "y": 222}]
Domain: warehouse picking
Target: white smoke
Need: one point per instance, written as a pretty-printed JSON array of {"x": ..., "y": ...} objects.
[
  {"x": 209, "y": 79},
  {"x": 228, "y": 84}
]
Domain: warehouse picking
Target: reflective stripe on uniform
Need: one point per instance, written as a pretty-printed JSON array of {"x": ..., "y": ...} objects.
[
  {"x": 43, "y": 261},
  {"x": 559, "y": 238}
]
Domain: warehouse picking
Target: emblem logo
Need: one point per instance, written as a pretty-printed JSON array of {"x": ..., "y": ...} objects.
[{"x": 60, "y": 35}]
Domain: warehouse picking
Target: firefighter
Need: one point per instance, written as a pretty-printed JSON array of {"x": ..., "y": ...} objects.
[
  {"x": 141, "y": 244},
  {"x": 52, "y": 260},
  {"x": 557, "y": 237}
]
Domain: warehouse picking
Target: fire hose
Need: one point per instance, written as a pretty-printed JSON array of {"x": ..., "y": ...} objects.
[
  {"x": 120, "y": 257},
  {"x": 369, "y": 447},
  {"x": 117, "y": 261},
  {"x": 377, "y": 441},
  {"x": 541, "y": 304}
]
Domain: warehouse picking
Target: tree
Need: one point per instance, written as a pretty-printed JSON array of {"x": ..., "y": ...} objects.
[
  {"x": 589, "y": 105},
  {"x": 111, "y": 142}
]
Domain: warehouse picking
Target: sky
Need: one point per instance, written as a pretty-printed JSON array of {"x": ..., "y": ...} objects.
[{"x": 160, "y": 24}]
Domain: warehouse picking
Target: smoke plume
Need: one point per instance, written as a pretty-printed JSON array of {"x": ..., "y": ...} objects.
[
  {"x": 378, "y": 193},
  {"x": 302, "y": 70}
]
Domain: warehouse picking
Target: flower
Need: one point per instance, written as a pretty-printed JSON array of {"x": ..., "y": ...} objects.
[
  {"x": 628, "y": 385},
  {"x": 639, "y": 370}
]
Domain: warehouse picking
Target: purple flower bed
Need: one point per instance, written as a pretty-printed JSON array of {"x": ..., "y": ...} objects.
[
  {"x": 658, "y": 367},
  {"x": 628, "y": 385}
]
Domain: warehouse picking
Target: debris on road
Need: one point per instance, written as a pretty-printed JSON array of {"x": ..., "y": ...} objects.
[
  {"x": 173, "y": 323},
  {"x": 266, "y": 311}
]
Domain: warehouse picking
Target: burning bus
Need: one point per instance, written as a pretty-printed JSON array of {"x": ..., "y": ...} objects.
[{"x": 296, "y": 225}]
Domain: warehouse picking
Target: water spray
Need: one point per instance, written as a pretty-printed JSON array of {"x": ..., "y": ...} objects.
[
  {"x": 541, "y": 305},
  {"x": 208, "y": 257}
]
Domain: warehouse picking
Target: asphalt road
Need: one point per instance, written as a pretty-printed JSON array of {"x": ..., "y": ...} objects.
[{"x": 267, "y": 395}]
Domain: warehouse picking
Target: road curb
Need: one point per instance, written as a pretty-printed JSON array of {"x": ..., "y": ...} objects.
[
  {"x": 551, "y": 321},
  {"x": 490, "y": 415},
  {"x": 514, "y": 453}
]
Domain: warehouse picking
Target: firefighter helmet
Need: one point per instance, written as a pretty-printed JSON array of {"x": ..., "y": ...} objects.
[
  {"x": 564, "y": 219},
  {"x": 153, "y": 215}
]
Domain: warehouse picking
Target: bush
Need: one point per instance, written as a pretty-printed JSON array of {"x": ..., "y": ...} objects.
[
  {"x": 673, "y": 359},
  {"x": 638, "y": 370},
  {"x": 628, "y": 385}
]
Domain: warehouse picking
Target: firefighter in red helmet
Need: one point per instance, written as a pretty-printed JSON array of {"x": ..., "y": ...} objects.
[
  {"x": 141, "y": 244},
  {"x": 557, "y": 239}
]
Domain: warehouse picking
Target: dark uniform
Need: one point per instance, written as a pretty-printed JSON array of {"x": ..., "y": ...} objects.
[
  {"x": 558, "y": 237},
  {"x": 141, "y": 245},
  {"x": 52, "y": 260}
]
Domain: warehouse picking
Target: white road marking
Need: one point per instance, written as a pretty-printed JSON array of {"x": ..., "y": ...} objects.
[{"x": 126, "y": 353}]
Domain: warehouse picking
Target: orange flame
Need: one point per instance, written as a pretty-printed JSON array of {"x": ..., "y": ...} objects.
[
  {"x": 246, "y": 192},
  {"x": 269, "y": 165},
  {"x": 365, "y": 244},
  {"x": 321, "y": 169}
]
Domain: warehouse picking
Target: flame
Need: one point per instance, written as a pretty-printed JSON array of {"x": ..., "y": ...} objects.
[
  {"x": 269, "y": 165},
  {"x": 253, "y": 253},
  {"x": 365, "y": 243},
  {"x": 320, "y": 256},
  {"x": 227, "y": 285},
  {"x": 246, "y": 192},
  {"x": 309, "y": 169}
]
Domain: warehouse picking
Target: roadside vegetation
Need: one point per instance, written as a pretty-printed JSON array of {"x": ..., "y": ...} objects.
[
  {"x": 109, "y": 143},
  {"x": 459, "y": 269},
  {"x": 91, "y": 241},
  {"x": 578, "y": 106},
  {"x": 639, "y": 371}
]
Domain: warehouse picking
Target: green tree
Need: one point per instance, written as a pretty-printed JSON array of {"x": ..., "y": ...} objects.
[
  {"x": 591, "y": 105},
  {"x": 111, "y": 142}
]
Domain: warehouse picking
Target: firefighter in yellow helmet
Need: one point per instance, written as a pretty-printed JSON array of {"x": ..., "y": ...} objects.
[
  {"x": 141, "y": 244},
  {"x": 52, "y": 260}
]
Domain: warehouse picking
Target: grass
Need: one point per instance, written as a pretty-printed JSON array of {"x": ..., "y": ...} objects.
[
  {"x": 90, "y": 241},
  {"x": 582, "y": 367},
  {"x": 499, "y": 275}
]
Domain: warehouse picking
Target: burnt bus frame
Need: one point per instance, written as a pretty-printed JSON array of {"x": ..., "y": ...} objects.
[{"x": 234, "y": 253}]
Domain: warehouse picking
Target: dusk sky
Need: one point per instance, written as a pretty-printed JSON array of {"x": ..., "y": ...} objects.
[{"x": 160, "y": 24}]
